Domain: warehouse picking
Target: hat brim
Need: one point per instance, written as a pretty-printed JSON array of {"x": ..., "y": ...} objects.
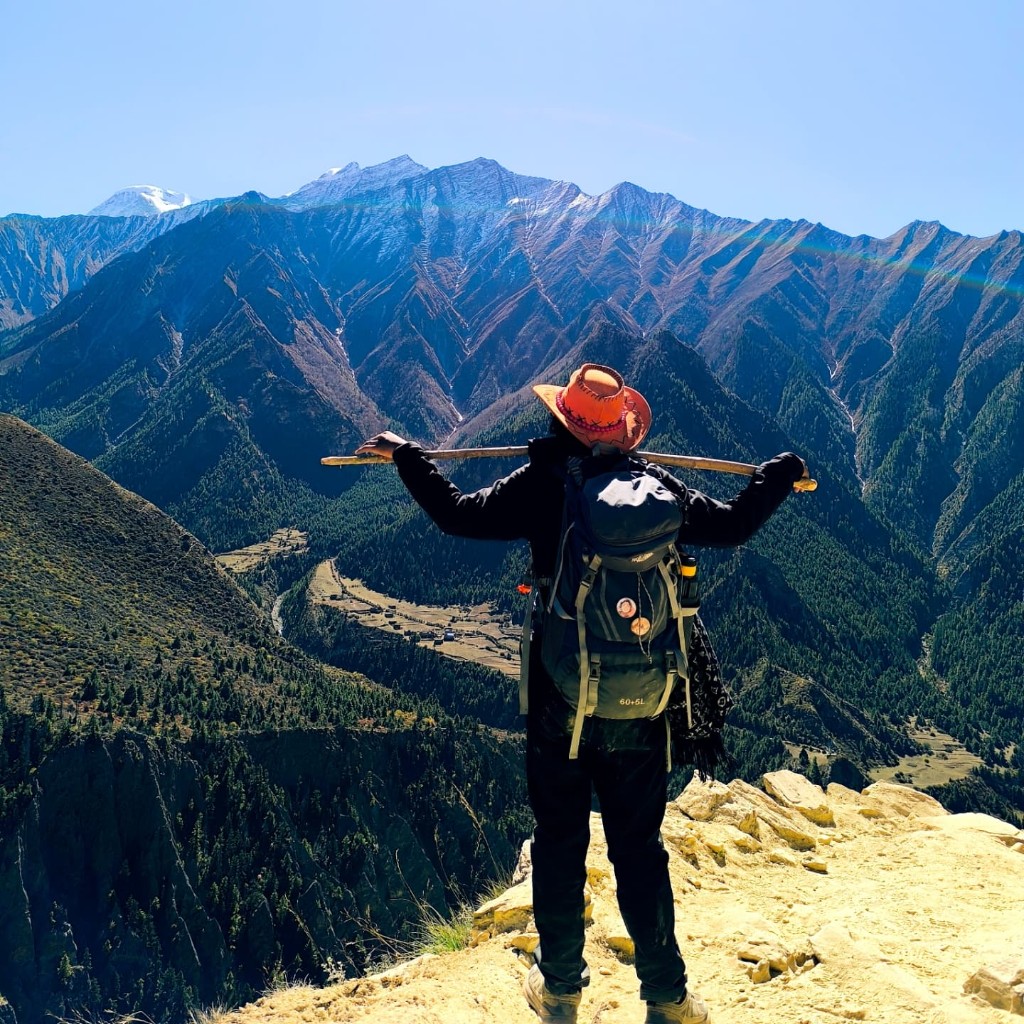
[{"x": 549, "y": 393}]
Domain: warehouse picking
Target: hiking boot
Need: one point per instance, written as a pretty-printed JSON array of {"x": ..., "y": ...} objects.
[
  {"x": 546, "y": 1004},
  {"x": 689, "y": 1010}
]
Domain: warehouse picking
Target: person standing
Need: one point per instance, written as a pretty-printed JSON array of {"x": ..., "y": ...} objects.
[{"x": 595, "y": 415}]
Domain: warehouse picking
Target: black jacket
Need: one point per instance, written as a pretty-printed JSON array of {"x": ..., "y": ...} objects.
[{"x": 527, "y": 504}]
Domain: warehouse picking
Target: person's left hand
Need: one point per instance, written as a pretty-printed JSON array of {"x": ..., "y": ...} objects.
[{"x": 383, "y": 445}]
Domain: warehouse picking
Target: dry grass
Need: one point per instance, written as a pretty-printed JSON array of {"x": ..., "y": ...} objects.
[
  {"x": 946, "y": 760},
  {"x": 286, "y": 541}
]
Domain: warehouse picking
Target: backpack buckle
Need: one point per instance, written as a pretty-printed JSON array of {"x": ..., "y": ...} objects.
[{"x": 593, "y": 682}]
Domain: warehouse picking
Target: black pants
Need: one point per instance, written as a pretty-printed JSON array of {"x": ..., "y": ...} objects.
[{"x": 624, "y": 764}]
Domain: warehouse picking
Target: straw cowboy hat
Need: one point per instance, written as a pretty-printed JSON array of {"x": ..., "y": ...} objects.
[{"x": 596, "y": 407}]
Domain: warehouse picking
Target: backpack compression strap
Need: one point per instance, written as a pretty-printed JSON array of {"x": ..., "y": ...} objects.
[
  {"x": 590, "y": 667},
  {"x": 679, "y": 613},
  {"x": 683, "y": 664},
  {"x": 524, "y": 655},
  {"x": 536, "y": 596}
]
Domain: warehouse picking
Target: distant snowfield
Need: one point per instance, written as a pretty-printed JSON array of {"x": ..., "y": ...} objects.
[{"x": 141, "y": 200}]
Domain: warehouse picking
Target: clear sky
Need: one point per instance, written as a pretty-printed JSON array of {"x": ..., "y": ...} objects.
[{"x": 861, "y": 114}]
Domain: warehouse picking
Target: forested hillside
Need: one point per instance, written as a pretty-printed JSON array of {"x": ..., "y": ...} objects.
[
  {"x": 824, "y": 594},
  {"x": 190, "y": 808}
]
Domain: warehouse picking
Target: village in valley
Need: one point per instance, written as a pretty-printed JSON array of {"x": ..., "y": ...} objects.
[{"x": 472, "y": 633}]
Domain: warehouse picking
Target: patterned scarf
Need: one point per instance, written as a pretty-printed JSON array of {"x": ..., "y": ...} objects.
[{"x": 710, "y": 701}]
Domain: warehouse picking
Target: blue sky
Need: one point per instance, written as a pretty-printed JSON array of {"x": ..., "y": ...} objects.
[{"x": 862, "y": 115}]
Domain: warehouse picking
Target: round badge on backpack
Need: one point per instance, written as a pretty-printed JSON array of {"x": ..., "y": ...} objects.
[
  {"x": 640, "y": 626},
  {"x": 626, "y": 607}
]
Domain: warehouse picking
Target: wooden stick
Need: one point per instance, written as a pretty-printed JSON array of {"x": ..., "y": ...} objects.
[{"x": 661, "y": 458}]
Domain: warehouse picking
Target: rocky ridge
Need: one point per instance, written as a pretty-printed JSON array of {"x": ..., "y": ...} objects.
[{"x": 793, "y": 904}]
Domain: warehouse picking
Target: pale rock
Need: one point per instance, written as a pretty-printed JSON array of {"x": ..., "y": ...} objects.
[
  {"x": 1000, "y": 985},
  {"x": 741, "y": 815},
  {"x": 783, "y": 857},
  {"x": 746, "y": 843},
  {"x": 792, "y": 790},
  {"x": 722, "y": 840},
  {"x": 397, "y": 975},
  {"x": 786, "y": 824},
  {"x": 833, "y": 941},
  {"x": 816, "y": 864},
  {"x": 681, "y": 832},
  {"x": 767, "y": 948},
  {"x": 838, "y": 794},
  {"x": 896, "y": 800},
  {"x": 713, "y": 800},
  {"x": 760, "y": 972},
  {"x": 621, "y": 945},
  {"x": 526, "y": 941},
  {"x": 870, "y": 812},
  {"x": 716, "y": 846},
  {"x": 701, "y": 800},
  {"x": 524, "y": 865},
  {"x": 510, "y": 911},
  {"x": 1009, "y": 835}
]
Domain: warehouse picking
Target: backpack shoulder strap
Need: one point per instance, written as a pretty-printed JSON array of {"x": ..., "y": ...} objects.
[{"x": 557, "y": 471}]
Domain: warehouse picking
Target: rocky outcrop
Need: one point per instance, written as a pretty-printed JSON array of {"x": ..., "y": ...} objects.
[
  {"x": 1001, "y": 985},
  {"x": 915, "y": 918}
]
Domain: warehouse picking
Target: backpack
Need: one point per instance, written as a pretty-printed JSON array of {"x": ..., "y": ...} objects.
[{"x": 618, "y": 614}]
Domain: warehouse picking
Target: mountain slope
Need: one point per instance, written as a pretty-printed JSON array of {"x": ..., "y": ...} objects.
[
  {"x": 101, "y": 588},
  {"x": 43, "y": 260},
  {"x": 223, "y": 366},
  {"x": 189, "y": 806},
  {"x": 824, "y": 593}
]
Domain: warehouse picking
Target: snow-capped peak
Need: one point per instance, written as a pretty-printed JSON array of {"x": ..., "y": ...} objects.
[{"x": 141, "y": 201}]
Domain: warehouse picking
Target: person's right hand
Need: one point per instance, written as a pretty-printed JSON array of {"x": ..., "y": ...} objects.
[{"x": 383, "y": 445}]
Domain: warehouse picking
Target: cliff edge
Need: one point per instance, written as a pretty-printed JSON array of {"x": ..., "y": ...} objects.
[{"x": 793, "y": 905}]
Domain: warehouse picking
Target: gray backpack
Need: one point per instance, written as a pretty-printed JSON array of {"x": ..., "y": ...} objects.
[{"x": 617, "y": 616}]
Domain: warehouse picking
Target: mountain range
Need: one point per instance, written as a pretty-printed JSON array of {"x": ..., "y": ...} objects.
[
  {"x": 187, "y": 352},
  {"x": 206, "y": 357}
]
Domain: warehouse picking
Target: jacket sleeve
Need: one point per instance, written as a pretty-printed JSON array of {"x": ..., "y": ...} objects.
[
  {"x": 729, "y": 523},
  {"x": 498, "y": 512}
]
